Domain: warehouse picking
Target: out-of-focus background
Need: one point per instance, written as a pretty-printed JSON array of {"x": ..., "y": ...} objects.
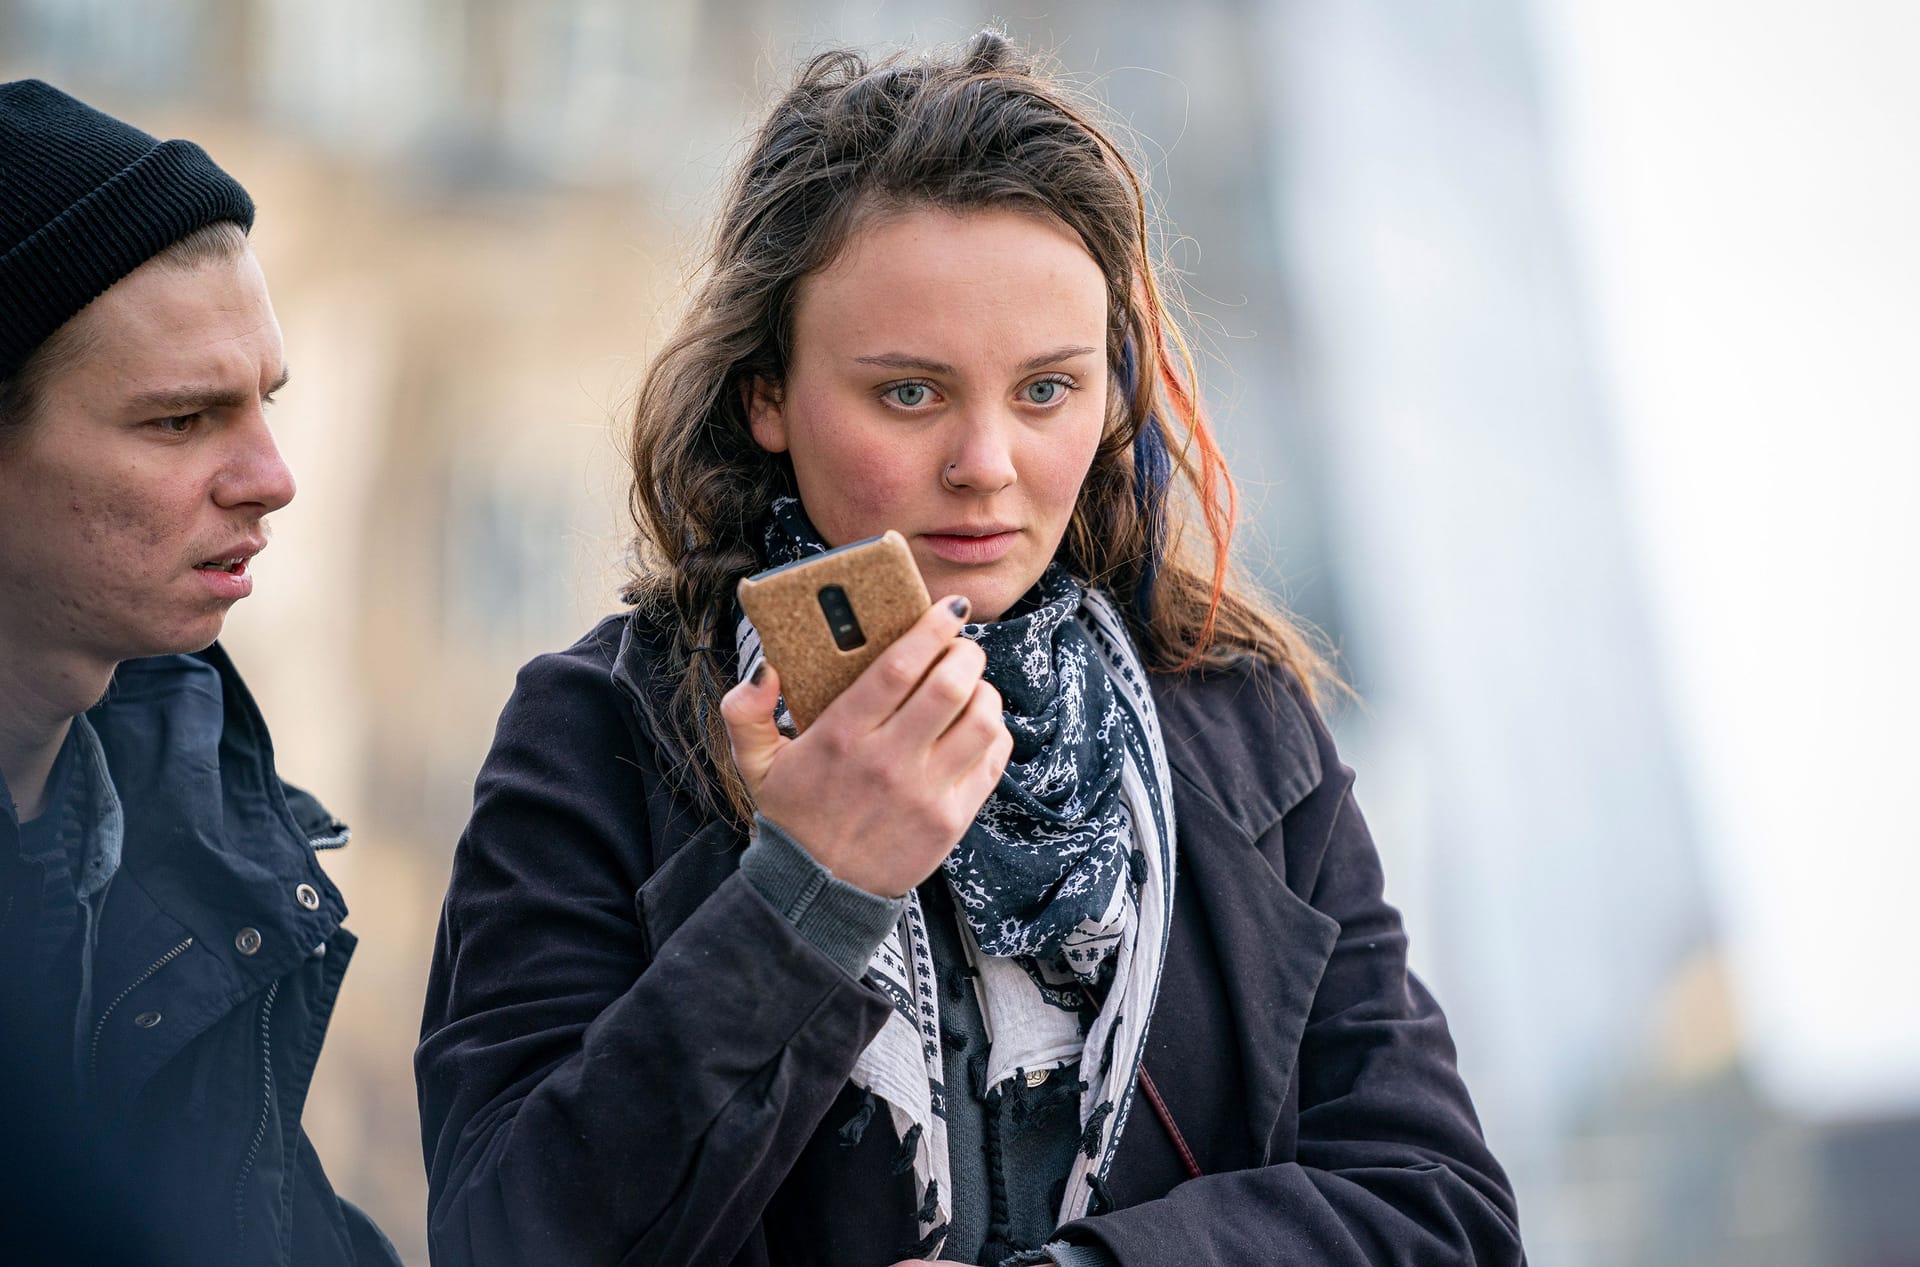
[{"x": 1568, "y": 352}]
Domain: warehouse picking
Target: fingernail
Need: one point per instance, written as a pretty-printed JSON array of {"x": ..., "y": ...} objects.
[
  {"x": 759, "y": 673},
  {"x": 959, "y": 606}
]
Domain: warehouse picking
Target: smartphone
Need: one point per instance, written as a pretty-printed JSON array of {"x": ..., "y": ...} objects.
[{"x": 824, "y": 618}]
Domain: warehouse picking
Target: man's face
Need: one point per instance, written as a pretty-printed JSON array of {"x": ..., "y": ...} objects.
[{"x": 134, "y": 500}]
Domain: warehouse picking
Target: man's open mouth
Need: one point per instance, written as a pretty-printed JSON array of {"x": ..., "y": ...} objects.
[{"x": 234, "y": 566}]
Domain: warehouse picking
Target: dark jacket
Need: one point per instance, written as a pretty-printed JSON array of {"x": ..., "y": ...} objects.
[
  {"x": 218, "y": 958},
  {"x": 629, "y": 1057}
]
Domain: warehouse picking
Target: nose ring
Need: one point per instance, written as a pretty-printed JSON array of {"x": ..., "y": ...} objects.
[{"x": 946, "y": 478}]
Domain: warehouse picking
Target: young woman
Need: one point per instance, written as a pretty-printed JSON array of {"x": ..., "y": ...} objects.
[{"x": 1057, "y": 937}]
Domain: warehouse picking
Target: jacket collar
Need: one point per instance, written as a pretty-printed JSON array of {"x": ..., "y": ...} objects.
[
  {"x": 1243, "y": 755},
  {"x": 213, "y": 842},
  {"x": 1238, "y": 736}
]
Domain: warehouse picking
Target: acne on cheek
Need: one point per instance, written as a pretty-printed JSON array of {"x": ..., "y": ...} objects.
[
  {"x": 104, "y": 516},
  {"x": 88, "y": 526}
]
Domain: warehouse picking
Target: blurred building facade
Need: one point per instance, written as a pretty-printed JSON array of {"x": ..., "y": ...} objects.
[{"x": 475, "y": 218}]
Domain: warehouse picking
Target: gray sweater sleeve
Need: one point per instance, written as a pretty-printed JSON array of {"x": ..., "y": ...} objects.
[{"x": 843, "y": 921}]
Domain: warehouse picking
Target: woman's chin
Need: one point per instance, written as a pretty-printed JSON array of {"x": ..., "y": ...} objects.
[
  {"x": 995, "y": 593},
  {"x": 988, "y": 600}
]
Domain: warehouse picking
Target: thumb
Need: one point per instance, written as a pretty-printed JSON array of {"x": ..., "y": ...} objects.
[{"x": 748, "y": 711}]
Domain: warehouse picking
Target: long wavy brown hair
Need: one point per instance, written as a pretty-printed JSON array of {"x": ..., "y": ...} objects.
[{"x": 983, "y": 126}]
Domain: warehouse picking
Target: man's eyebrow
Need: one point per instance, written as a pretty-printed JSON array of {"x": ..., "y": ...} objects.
[
  {"x": 906, "y": 361},
  {"x": 186, "y": 400}
]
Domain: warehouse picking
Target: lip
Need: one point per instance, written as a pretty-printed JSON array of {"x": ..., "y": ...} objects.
[
  {"x": 985, "y": 543},
  {"x": 236, "y": 584}
]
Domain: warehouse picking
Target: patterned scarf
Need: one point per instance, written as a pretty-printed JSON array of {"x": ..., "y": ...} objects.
[{"x": 1064, "y": 882}]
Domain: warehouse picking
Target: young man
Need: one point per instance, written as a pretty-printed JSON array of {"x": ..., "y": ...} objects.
[{"x": 170, "y": 949}]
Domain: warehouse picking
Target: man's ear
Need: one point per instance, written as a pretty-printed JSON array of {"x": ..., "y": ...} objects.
[{"x": 766, "y": 413}]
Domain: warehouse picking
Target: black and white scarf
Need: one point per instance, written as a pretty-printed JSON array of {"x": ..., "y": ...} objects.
[{"x": 1064, "y": 882}]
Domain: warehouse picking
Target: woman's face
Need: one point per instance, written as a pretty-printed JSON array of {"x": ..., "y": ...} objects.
[{"x": 948, "y": 379}]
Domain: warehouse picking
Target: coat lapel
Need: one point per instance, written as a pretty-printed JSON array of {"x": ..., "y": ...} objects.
[
  {"x": 1272, "y": 948},
  {"x": 1241, "y": 759}
]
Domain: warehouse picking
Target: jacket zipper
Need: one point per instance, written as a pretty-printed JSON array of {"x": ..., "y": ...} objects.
[
  {"x": 266, "y": 1111},
  {"x": 100, "y": 1026}
]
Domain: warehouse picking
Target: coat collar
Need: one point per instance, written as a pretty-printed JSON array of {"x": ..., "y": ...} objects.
[
  {"x": 213, "y": 842},
  {"x": 1239, "y": 738},
  {"x": 1243, "y": 755}
]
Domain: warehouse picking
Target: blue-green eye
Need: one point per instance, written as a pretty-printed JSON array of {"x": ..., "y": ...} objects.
[
  {"x": 1046, "y": 391},
  {"x": 911, "y": 395}
]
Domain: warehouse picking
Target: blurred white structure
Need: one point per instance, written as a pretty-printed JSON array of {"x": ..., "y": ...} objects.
[
  {"x": 1748, "y": 194},
  {"x": 1516, "y": 757}
]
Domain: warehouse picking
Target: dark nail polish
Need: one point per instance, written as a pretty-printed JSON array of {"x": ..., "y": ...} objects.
[
  {"x": 960, "y": 607},
  {"x": 759, "y": 673}
]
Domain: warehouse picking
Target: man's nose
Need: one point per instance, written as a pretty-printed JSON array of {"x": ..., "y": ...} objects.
[{"x": 256, "y": 474}]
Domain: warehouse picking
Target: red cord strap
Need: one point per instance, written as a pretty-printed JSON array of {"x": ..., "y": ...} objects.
[{"x": 1165, "y": 1115}]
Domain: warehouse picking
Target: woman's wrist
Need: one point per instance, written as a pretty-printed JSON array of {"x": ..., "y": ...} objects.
[{"x": 843, "y": 921}]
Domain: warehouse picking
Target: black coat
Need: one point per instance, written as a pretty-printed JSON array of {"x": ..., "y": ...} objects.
[
  {"x": 217, "y": 962},
  {"x": 629, "y": 1057}
]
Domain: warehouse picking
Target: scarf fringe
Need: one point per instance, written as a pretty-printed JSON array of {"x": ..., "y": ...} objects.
[{"x": 854, "y": 1128}]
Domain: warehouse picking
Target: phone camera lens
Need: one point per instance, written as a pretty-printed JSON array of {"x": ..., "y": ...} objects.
[{"x": 847, "y": 634}]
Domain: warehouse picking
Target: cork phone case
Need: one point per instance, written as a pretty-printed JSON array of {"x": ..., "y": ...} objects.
[{"x": 824, "y": 618}]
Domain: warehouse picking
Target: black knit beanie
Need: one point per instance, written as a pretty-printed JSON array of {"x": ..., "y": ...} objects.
[{"x": 84, "y": 200}]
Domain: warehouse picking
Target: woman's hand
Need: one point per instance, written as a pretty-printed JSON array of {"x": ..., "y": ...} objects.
[{"x": 887, "y": 779}]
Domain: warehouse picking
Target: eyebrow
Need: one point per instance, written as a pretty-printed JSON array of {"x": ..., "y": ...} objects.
[
  {"x": 906, "y": 361},
  {"x": 183, "y": 400}
]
